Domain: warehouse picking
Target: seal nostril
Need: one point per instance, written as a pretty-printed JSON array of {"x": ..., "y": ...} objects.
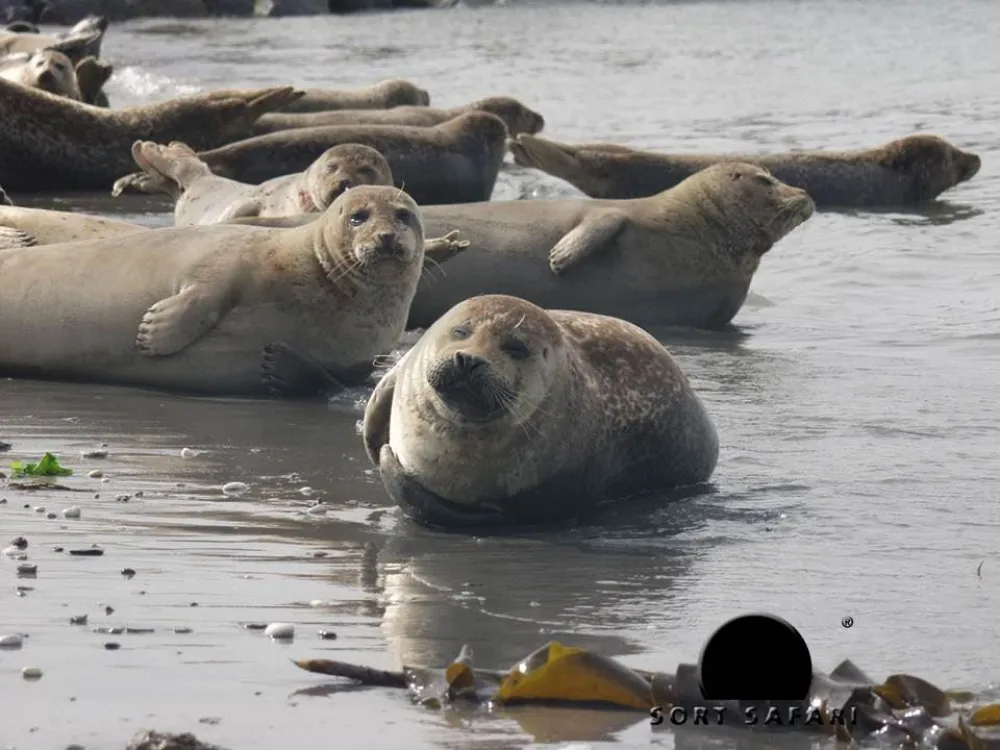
[
  {"x": 462, "y": 361},
  {"x": 386, "y": 240}
]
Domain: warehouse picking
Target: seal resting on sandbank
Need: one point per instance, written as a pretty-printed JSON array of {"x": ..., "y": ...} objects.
[
  {"x": 382, "y": 95},
  {"x": 906, "y": 171},
  {"x": 455, "y": 162},
  {"x": 26, "y": 227},
  {"x": 505, "y": 414},
  {"x": 49, "y": 142},
  {"x": 517, "y": 117},
  {"x": 205, "y": 198},
  {"x": 214, "y": 309}
]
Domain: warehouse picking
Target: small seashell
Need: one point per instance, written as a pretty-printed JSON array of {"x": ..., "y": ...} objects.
[
  {"x": 14, "y": 553},
  {"x": 317, "y": 510},
  {"x": 234, "y": 488},
  {"x": 71, "y": 512},
  {"x": 109, "y": 610},
  {"x": 188, "y": 453},
  {"x": 128, "y": 573},
  {"x": 327, "y": 635},
  {"x": 280, "y": 630},
  {"x": 51, "y": 515},
  {"x": 95, "y": 474},
  {"x": 39, "y": 509},
  {"x": 27, "y": 569},
  {"x": 96, "y": 453},
  {"x": 31, "y": 673},
  {"x": 255, "y": 626},
  {"x": 122, "y": 498},
  {"x": 11, "y": 641},
  {"x": 181, "y": 630},
  {"x": 78, "y": 620},
  {"x": 306, "y": 490},
  {"x": 319, "y": 603}
]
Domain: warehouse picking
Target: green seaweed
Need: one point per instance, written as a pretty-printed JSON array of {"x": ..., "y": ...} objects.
[{"x": 48, "y": 466}]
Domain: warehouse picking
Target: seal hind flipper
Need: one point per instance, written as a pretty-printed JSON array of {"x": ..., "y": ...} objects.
[
  {"x": 440, "y": 249},
  {"x": 140, "y": 182},
  {"x": 91, "y": 75},
  {"x": 76, "y": 47},
  {"x": 543, "y": 154},
  {"x": 378, "y": 412},
  {"x": 178, "y": 321},
  {"x": 11, "y": 237},
  {"x": 176, "y": 164},
  {"x": 593, "y": 233},
  {"x": 287, "y": 372}
]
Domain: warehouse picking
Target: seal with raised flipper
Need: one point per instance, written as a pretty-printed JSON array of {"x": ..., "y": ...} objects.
[
  {"x": 516, "y": 116},
  {"x": 455, "y": 162},
  {"x": 504, "y": 413},
  {"x": 208, "y": 308},
  {"x": 45, "y": 70},
  {"x": 82, "y": 40},
  {"x": 906, "y": 171},
  {"x": 49, "y": 142},
  {"x": 382, "y": 95},
  {"x": 206, "y": 198}
]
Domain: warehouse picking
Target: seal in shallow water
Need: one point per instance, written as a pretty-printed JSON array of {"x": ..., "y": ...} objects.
[
  {"x": 382, "y": 95},
  {"x": 52, "y": 143},
  {"x": 205, "y": 198},
  {"x": 45, "y": 70},
  {"x": 517, "y": 117},
  {"x": 455, "y": 162},
  {"x": 505, "y": 413},
  {"x": 907, "y": 171},
  {"x": 204, "y": 306}
]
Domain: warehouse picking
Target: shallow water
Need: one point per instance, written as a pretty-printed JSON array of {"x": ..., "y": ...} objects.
[{"x": 856, "y": 413}]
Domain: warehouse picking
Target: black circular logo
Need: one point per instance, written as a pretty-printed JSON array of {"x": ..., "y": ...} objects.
[{"x": 755, "y": 658}]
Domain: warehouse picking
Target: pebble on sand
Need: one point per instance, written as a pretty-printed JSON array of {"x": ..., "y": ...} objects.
[
  {"x": 11, "y": 641},
  {"x": 306, "y": 491},
  {"x": 78, "y": 620},
  {"x": 20, "y": 542},
  {"x": 71, "y": 512},
  {"x": 128, "y": 573},
  {"x": 27, "y": 569},
  {"x": 87, "y": 552},
  {"x": 95, "y": 474},
  {"x": 328, "y": 635},
  {"x": 317, "y": 510},
  {"x": 234, "y": 488},
  {"x": 188, "y": 453},
  {"x": 280, "y": 630},
  {"x": 39, "y": 509},
  {"x": 112, "y": 646},
  {"x": 31, "y": 673},
  {"x": 96, "y": 453}
]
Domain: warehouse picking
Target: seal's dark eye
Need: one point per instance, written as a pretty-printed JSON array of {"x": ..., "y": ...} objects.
[
  {"x": 404, "y": 216},
  {"x": 736, "y": 175},
  {"x": 358, "y": 218},
  {"x": 460, "y": 332},
  {"x": 516, "y": 349}
]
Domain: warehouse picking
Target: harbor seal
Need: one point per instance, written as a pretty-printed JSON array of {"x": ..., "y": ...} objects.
[
  {"x": 45, "y": 70},
  {"x": 455, "y": 162},
  {"x": 382, "y": 95},
  {"x": 82, "y": 40},
  {"x": 24, "y": 227},
  {"x": 517, "y": 117},
  {"x": 505, "y": 413},
  {"x": 49, "y": 142},
  {"x": 906, "y": 171},
  {"x": 206, "y": 307},
  {"x": 205, "y": 198}
]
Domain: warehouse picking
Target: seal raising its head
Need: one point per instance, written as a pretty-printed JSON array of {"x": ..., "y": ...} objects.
[
  {"x": 505, "y": 413},
  {"x": 46, "y": 70}
]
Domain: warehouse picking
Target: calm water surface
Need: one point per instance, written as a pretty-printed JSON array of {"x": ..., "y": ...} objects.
[{"x": 858, "y": 412}]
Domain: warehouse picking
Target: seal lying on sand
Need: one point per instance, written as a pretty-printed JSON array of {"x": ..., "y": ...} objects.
[
  {"x": 45, "y": 70},
  {"x": 205, "y": 198},
  {"x": 517, "y": 117},
  {"x": 25, "y": 227},
  {"x": 83, "y": 40},
  {"x": 206, "y": 306},
  {"x": 455, "y": 162},
  {"x": 910, "y": 170},
  {"x": 52, "y": 143},
  {"x": 507, "y": 413},
  {"x": 382, "y": 95}
]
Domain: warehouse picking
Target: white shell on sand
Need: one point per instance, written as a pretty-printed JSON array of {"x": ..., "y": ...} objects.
[
  {"x": 11, "y": 641},
  {"x": 71, "y": 512},
  {"x": 280, "y": 630},
  {"x": 234, "y": 488},
  {"x": 31, "y": 673}
]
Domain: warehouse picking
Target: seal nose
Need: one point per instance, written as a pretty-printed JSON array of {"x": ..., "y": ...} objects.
[
  {"x": 468, "y": 363},
  {"x": 972, "y": 167},
  {"x": 46, "y": 78},
  {"x": 386, "y": 241}
]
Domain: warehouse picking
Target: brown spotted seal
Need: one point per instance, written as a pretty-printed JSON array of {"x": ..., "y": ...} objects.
[
  {"x": 207, "y": 307},
  {"x": 52, "y": 143},
  {"x": 906, "y": 171},
  {"x": 455, "y": 162},
  {"x": 45, "y": 70},
  {"x": 205, "y": 198},
  {"x": 382, "y": 95},
  {"x": 506, "y": 413},
  {"x": 516, "y": 116}
]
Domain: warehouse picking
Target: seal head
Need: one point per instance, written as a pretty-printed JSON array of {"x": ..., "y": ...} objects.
[
  {"x": 517, "y": 117},
  {"x": 930, "y": 164},
  {"x": 339, "y": 169}
]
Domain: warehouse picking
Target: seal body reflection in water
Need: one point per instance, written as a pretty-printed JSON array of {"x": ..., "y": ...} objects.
[
  {"x": 210, "y": 309},
  {"x": 906, "y": 171},
  {"x": 505, "y": 413}
]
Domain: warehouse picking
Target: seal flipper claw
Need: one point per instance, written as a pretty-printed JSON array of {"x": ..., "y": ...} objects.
[
  {"x": 378, "y": 412},
  {"x": 287, "y": 372},
  {"x": 11, "y": 237},
  {"x": 440, "y": 249},
  {"x": 592, "y": 234},
  {"x": 178, "y": 321}
]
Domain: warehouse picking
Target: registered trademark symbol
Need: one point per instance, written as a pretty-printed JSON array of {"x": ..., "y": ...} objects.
[{"x": 847, "y": 622}]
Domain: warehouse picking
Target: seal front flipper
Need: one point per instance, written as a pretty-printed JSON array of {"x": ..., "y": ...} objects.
[
  {"x": 178, "y": 321},
  {"x": 592, "y": 234},
  {"x": 287, "y": 372},
  {"x": 377, "y": 414},
  {"x": 440, "y": 249}
]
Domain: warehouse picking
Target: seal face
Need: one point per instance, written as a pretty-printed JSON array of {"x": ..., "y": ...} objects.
[
  {"x": 505, "y": 414},
  {"x": 906, "y": 171},
  {"x": 337, "y": 170},
  {"x": 45, "y": 70}
]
